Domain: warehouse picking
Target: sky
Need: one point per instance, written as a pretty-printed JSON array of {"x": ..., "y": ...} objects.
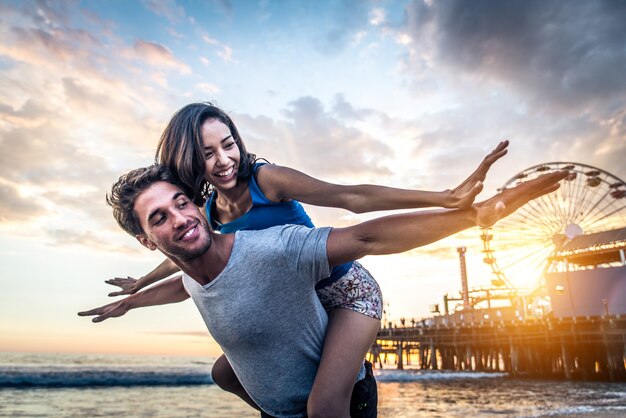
[{"x": 407, "y": 94}]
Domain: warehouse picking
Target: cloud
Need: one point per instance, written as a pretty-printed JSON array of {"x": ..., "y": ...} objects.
[
  {"x": 226, "y": 54},
  {"x": 349, "y": 17},
  {"x": 209, "y": 89},
  {"x": 571, "y": 55},
  {"x": 209, "y": 40},
  {"x": 224, "y": 5},
  {"x": 157, "y": 55},
  {"x": 377, "y": 16},
  {"x": 316, "y": 141},
  {"x": 166, "y": 8},
  {"x": 94, "y": 240},
  {"x": 16, "y": 208},
  {"x": 78, "y": 108}
]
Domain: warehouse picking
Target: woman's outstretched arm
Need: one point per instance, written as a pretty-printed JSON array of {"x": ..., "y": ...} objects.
[
  {"x": 403, "y": 232},
  {"x": 283, "y": 183},
  {"x": 131, "y": 285},
  {"x": 168, "y": 291}
]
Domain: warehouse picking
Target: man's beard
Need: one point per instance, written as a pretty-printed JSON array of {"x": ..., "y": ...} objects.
[
  {"x": 187, "y": 255},
  {"x": 184, "y": 254}
]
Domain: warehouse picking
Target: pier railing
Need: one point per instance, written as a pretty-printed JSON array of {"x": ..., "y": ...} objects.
[{"x": 586, "y": 348}]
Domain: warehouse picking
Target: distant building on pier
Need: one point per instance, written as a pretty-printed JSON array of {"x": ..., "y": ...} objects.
[{"x": 587, "y": 275}]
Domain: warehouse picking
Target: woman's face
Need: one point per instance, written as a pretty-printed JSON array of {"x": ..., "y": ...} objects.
[{"x": 221, "y": 155}]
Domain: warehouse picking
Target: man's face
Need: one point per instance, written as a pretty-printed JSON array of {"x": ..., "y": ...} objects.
[{"x": 171, "y": 222}]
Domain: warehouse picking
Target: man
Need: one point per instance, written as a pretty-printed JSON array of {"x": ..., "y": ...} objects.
[{"x": 255, "y": 289}]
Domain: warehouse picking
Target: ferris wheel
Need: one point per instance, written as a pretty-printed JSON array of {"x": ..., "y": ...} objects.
[{"x": 518, "y": 247}]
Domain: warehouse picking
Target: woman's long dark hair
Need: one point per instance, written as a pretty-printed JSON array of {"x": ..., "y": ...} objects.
[{"x": 181, "y": 149}]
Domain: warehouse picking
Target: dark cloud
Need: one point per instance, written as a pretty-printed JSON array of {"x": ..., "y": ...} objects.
[{"x": 569, "y": 53}]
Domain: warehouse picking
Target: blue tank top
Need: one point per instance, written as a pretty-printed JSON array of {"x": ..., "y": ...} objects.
[{"x": 264, "y": 214}]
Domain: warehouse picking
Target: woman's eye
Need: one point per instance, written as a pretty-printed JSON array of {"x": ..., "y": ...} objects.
[
  {"x": 208, "y": 155},
  {"x": 229, "y": 145}
]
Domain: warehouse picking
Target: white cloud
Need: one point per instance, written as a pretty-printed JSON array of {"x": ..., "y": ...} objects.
[
  {"x": 207, "y": 88},
  {"x": 209, "y": 40},
  {"x": 226, "y": 54},
  {"x": 377, "y": 16}
]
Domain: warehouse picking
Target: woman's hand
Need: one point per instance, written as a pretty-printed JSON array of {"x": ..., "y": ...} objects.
[
  {"x": 112, "y": 310},
  {"x": 128, "y": 285},
  {"x": 463, "y": 195}
]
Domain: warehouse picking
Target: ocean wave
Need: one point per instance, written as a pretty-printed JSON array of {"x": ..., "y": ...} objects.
[
  {"x": 79, "y": 377},
  {"x": 416, "y": 375}
]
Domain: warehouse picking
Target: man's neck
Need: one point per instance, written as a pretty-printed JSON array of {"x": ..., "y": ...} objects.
[{"x": 209, "y": 265}]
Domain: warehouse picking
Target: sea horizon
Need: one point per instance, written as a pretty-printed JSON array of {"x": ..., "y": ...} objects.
[{"x": 71, "y": 385}]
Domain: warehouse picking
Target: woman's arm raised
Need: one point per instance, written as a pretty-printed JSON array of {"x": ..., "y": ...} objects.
[
  {"x": 402, "y": 232},
  {"x": 283, "y": 183}
]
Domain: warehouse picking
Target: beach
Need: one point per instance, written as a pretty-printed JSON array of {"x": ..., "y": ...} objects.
[{"x": 62, "y": 385}]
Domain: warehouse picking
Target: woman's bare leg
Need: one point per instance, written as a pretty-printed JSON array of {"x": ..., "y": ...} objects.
[
  {"x": 348, "y": 338},
  {"x": 224, "y": 376}
]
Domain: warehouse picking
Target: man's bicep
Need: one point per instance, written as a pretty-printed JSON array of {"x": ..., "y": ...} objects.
[{"x": 345, "y": 245}]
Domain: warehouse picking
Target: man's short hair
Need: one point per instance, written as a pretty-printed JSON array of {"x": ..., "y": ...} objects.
[{"x": 128, "y": 187}]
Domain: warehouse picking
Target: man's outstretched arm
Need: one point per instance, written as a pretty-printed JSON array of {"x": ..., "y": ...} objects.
[
  {"x": 403, "y": 232},
  {"x": 168, "y": 291}
]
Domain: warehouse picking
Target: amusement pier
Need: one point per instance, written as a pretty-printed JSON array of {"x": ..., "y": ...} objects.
[{"x": 570, "y": 325}]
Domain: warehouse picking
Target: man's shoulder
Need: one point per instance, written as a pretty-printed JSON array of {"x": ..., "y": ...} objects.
[{"x": 274, "y": 230}]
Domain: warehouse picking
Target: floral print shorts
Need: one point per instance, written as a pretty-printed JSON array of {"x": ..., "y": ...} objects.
[{"x": 356, "y": 290}]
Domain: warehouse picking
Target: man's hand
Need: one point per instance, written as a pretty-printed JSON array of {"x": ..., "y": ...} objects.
[
  {"x": 128, "y": 285},
  {"x": 508, "y": 201},
  {"x": 463, "y": 195},
  {"x": 112, "y": 310}
]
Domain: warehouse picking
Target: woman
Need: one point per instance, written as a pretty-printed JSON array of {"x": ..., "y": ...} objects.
[{"x": 202, "y": 146}]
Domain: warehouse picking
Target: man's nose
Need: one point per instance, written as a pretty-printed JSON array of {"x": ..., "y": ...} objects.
[{"x": 178, "y": 220}]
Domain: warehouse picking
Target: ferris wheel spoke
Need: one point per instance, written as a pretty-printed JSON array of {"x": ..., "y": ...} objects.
[
  {"x": 584, "y": 201},
  {"x": 606, "y": 216},
  {"x": 564, "y": 202},
  {"x": 514, "y": 246},
  {"x": 577, "y": 191},
  {"x": 553, "y": 200},
  {"x": 529, "y": 214},
  {"x": 589, "y": 211},
  {"x": 518, "y": 247},
  {"x": 549, "y": 208},
  {"x": 580, "y": 198},
  {"x": 523, "y": 230},
  {"x": 529, "y": 255},
  {"x": 538, "y": 215}
]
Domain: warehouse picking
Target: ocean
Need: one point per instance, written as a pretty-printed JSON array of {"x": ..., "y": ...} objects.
[{"x": 64, "y": 385}]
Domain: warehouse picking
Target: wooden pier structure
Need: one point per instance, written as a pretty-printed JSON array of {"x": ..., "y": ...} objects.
[{"x": 585, "y": 348}]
